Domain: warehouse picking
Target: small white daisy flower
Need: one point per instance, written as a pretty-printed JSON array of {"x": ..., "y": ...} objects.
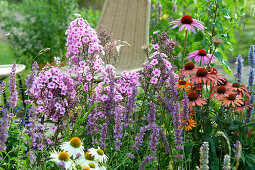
[
  {"x": 98, "y": 155},
  {"x": 73, "y": 147},
  {"x": 60, "y": 158}
]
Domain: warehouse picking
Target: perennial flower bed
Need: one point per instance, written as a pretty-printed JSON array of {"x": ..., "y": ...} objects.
[{"x": 163, "y": 117}]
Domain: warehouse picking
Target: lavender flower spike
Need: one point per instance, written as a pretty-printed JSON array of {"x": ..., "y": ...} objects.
[
  {"x": 239, "y": 69},
  {"x": 103, "y": 134},
  {"x": 32, "y": 77},
  {"x": 13, "y": 90},
  {"x": 251, "y": 55},
  {"x": 177, "y": 130},
  {"x": 149, "y": 158},
  {"x": 251, "y": 78},
  {"x": 2, "y": 86},
  {"x": 118, "y": 127},
  {"x": 151, "y": 116},
  {"x": 4, "y": 129}
]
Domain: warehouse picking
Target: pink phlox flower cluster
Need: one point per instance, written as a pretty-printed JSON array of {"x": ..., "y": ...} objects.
[
  {"x": 126, "y": 82},
  {"x": 53, "y": 92},
  {"x": 101, "y": 92},
  {"x": 81, "y": 41},
  {"x": 157, "y": 69}
]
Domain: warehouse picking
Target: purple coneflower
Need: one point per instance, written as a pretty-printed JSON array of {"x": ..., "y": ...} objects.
[
  {"x": 188, "y": 23},
  {"x": 201, "y": 56}
]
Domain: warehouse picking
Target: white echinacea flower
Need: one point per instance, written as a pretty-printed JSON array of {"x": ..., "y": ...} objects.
[
  {"x": 73, "y": 147},
  {"x": 62, "y": 158},
  {"x": 98, "y": 155}
]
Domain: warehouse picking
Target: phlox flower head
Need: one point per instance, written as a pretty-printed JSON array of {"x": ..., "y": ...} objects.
[
  {"x": 187, "y": 23},
  {"x": 53, "y": 92},
  {"x": 155, "y": 46},
  {"x": 154, "y": 80}
]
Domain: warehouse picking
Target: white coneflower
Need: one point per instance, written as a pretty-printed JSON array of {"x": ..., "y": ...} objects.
[
  {"x": 62, "y": 158},
  {"x": 204, "y": 155},
  {"x": 73, "y": 147},
  {"x": 98, "y": 155}
]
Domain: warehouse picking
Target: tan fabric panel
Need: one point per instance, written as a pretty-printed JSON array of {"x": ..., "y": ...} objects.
[{"x": 128, "y": 20}]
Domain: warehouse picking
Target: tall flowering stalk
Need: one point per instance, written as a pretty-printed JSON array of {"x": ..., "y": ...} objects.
[
  {"x": 2, "y": 87},
  {"x": 251, "y": 56},
  {"x": 103, "y": 134},
  {"x": 13, "y": 90},
  {"x": 154, "y": 138},
  {"x": 237, "y": 149},
  {"x": 177, "y": 130},
  {"x": 118, "y": 127},
  {"x": 31, "y": 78},
  {"x": 204, "y": 156},
  {"x": 226, "y": 165},
  {"x": 239, "y": 68},
  {"x": 4, "y": 129},
  {"x": 251, "y": 78}
]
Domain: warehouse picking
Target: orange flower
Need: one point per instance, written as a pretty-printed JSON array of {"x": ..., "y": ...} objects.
[
  {"x": 232, "y": 99},
  {"x": 219, "y": 78},
  {"x": 240, "y": 109},
  {"x": 184, "y": 85},
  {"x": 202, "y": 75},
  {"x": 223, "y": 82},
  {"x": 189, "y": 69},
  {"x": 194, "y": 99},
  {"x": 188, "y": 124},
  {"x": 240, "y": 89},
  {"x": 219, "y": 92}
]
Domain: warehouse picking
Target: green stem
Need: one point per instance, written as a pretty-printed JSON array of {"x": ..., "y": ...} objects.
[
  {"x": 185, "y": 43},
  {"x": 213, "y": 29},
  {"x": 211, "y": 57}
]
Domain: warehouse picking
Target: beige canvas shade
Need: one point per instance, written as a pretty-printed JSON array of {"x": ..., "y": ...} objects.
[{"x": 129, "y": 21}]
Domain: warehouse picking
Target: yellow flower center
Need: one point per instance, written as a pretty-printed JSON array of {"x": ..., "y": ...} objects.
[
  {"x": 100, "y": 152},
  {"x": 89, "y": 156},
  {"x": 63, "y": 156},
  {"x": 75, "y": 142},
  {"x": 85, "y": 168},
  {"x": 91, "y": 165}
]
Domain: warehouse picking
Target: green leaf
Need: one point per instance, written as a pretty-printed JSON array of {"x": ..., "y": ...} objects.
[
  {"x": 251, "y": 124},
  {"x": 227, "y": 68},
  {"x": 208, "y": 127}
]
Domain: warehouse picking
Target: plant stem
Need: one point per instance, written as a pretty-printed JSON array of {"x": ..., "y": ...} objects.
[
  {"x": 213, "y": 29},
  {"x": 211, "y": 57},
  {"x": 185, "y": 43}
]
